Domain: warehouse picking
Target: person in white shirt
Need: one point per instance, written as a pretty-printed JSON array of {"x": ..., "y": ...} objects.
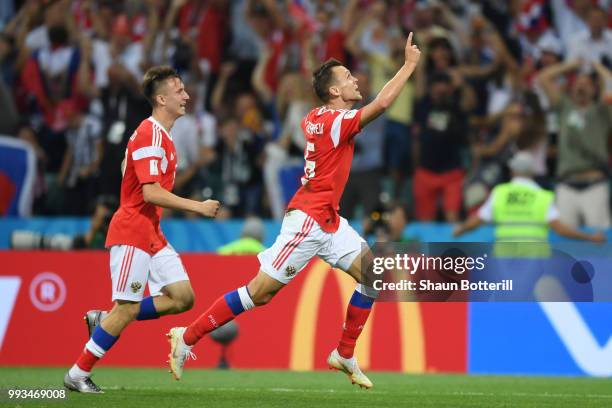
[{"x": 594, "y": 44}]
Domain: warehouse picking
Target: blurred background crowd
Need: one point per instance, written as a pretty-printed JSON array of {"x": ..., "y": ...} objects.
[{"x": 495, "y": 77}]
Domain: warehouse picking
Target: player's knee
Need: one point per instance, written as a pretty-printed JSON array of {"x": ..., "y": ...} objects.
[
  {"x": 262, "y": 298},
  {"x": 127, "y": 311},
  {"x": 185, "y": 303}
]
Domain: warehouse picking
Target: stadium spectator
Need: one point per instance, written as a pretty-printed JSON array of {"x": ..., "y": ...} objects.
[
  {"x": 364, "y": 188},
  {"x": 36, "y": 22},
  {"x": 194, "y": 136},
  {"x": 440, "y": 131},
  {"x": 124, "y": 108},
  {"x": 276, "y": 37},
  {"x": 593, "y": 45},
  {"x": 583, "y": 191},
  {"x": 80, "y": 167},
  {"x": 250, "y": 241},
  {"x": 8, "y": 57},
  {"x": 250, "y": 57},
  {"x": 383, "y": 57},
  {"x": 293, "y": 101},
  {"x": 521, "y": 210},
  {"x": 49, "y": 79},
  {"x": 236, "y": 170},
  {"x": 570, "y": 18}
]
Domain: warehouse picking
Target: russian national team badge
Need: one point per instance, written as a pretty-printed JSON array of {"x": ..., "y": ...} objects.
[
  {"x": 290, "y": 270},
  {"x": 136, "y": 286}
]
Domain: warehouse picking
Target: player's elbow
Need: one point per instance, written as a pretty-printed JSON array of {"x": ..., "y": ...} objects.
[
  {"x": 146, "y": 196},
  {"x": 148, "y": 193},
  {"x": 383, "y": 103}
]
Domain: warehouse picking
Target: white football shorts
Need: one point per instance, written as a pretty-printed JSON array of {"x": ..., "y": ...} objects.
[
  {"x": 132, "y": 268},
  {"x": 301, "y": 238}
]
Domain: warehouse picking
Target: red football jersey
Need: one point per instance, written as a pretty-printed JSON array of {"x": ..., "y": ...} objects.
[
  {"x": 150, "y": 157},
  {"x": 328, "y": 154}
]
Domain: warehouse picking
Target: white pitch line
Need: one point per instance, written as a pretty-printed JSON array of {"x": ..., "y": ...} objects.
[{"x": 352, "y": 391}]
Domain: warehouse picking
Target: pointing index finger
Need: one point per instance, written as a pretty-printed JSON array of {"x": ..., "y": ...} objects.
[{"x": 410, "y": 38}]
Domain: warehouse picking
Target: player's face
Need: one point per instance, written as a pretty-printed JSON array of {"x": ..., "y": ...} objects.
[
  {"x": 175, "y": 96},
  {"x": 346, "y": 85}
]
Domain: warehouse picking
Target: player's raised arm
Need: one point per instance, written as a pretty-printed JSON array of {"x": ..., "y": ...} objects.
[{"x": 392, "y": 89}]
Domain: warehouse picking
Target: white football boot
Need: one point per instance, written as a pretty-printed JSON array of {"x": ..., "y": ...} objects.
[
  {"x": 350, "y": 367},
  {"x": 179, "y": 351}
]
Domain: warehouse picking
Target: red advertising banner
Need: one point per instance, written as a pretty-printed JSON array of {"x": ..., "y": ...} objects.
[{"x": 44, "y": 295}]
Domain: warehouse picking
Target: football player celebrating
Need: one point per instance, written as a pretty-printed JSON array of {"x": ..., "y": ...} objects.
[
  {"x": 312, "y": 226},
  {"x": 139, "y": 252}
]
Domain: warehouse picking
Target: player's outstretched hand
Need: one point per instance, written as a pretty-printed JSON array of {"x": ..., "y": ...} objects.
[
  {"x": 209, "y": 208},
  {"x": 412, "y": 52}
]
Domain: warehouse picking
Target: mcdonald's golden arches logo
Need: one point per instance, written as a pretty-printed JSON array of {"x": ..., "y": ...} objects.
[{"x": 303, "y": 336}]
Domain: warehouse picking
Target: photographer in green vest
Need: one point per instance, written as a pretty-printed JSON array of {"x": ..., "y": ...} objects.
[
  {"x": 250, "y": 241},
  {"x": 521, "y": 210}
]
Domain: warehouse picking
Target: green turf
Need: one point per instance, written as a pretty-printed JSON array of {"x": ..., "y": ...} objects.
[{"x": 152, "y": 388}]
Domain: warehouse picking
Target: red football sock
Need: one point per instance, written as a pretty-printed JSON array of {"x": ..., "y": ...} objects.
[
  {"x": 216, "y": 315},
  {"x": 356, "y": 318},
  {"x": 87, "y": 360}
]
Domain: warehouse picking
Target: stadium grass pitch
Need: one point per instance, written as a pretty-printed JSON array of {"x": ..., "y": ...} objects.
[{"x": 153, "y": 388}]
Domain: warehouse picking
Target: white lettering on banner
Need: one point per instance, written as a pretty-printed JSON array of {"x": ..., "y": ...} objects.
[
  {"x": 9, "y": 287},
  {"x": 47, "y": 291},
  {"x": 578, "y": 338}
]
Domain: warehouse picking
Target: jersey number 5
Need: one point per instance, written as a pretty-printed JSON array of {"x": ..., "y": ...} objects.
[{"x": 309, "y": 168}]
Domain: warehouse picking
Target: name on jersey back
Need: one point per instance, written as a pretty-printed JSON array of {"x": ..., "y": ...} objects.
[{"x": 314, "y": 128}]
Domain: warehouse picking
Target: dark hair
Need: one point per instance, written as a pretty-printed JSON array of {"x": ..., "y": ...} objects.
[
  {"x": 322, "y": 78},
  {"x": 440, "y": 76},
  {"x": 435, "y": 43},
  {"x": 154, "y": 78},
  {"x": 58, "y": 35}
]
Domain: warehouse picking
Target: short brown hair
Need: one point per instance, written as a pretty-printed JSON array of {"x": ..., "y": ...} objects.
[
  {"x": 323, "y": 77},
  {"x": 154, "y": 78}
]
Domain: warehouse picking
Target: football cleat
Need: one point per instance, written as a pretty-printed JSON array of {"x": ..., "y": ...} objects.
[
  {"x": 350, "y": 367},
  {"x": 179, "y": 351},
  {"x": 93, "y": 319},
  {"x": 85, "y": 385}
]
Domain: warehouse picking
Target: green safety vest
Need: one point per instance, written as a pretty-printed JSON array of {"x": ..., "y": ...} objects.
[
  {"x": 242, "y": 246},
  {"x": 519, "y": 214}
]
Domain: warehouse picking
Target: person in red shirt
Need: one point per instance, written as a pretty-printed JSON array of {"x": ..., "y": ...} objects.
[
  {"x": 312, "y": 226},
  {"x": 139, "y": 252}
]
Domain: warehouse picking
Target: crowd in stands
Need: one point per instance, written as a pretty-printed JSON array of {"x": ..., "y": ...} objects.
[{"x": 495, "y": 77}]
